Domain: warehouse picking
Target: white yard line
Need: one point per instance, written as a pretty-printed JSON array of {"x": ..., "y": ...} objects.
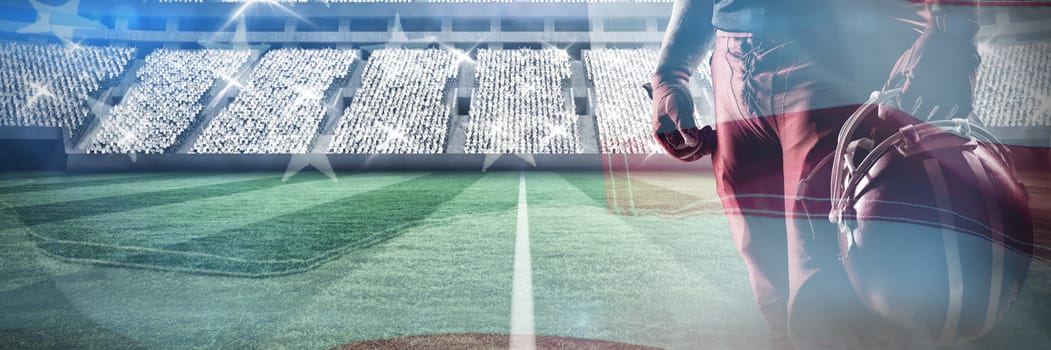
[
  {"x": 627, "y": 175},
  {"x": 612, "y": 181},
  {"x": 522, "y": 332}
]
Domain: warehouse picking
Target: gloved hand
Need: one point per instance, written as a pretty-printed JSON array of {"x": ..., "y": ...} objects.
[
  {"x": 936, "y": 75},
  {"x": 673, "y": 122}
]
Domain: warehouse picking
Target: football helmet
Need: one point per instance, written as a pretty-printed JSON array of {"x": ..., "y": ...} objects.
[{"x": 935, "y": 230}]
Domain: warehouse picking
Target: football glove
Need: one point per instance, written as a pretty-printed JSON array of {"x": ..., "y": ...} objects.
[
  {"x": 673, "y": 121},
  {"x": 936, "y": 76}
]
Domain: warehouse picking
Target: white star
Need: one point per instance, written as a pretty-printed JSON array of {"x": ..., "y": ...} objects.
[
  {"x": 490, "y": 158},
  {"x": 239, "y": 40},
  {"x": 67, "y": 20},
  {"x": 463, "y": 55},
  {"x": 399, "y": 39},
  {"x": 317, "y": 159}
]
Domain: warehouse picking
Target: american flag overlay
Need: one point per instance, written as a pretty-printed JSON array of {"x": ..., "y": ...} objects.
[{"x": 485, "y": 174}]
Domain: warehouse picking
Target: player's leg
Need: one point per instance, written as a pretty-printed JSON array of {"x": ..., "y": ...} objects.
[
  {"x": 824, "y": 311},
  {"x": 747, "y": 167},
  {"x": 811, "y": 107}
]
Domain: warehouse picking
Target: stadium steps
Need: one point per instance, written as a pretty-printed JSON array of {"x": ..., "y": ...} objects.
[
  {"x": 216, "y": 103},
  {"x": 81, "y": 139},
  {"x": 335, "y": 105},
  {"x": 126, "y": 80},
  {"x": 88, "y": 131},
  {"x": 130, "y": 75},
  {"x": 587, "y": 130},
  {"x": 335, "y": 110},
  {"x": 456, "y": 134}
]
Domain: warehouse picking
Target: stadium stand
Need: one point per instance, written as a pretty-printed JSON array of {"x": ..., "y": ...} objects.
[
  {"x": 45, "y": 85},
  {"x": 519, "y": 106},
  {"x": 622, "y": 111},
  {"x": 400, "y": 107},
  {"x": 281, "y": 108},
  {"x": 166, "y": 101},
  {"x": 1014, "y": 85}
]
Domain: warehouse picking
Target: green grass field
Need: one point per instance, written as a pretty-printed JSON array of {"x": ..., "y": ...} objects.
[{"x": 246, "y": 261}]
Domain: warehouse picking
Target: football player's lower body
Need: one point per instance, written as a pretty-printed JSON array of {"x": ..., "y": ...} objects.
[{"x": 779, "y": 107}]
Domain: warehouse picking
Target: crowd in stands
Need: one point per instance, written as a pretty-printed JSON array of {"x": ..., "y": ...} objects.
[
  {"x": 282, "y": 107},
  {"x": 518, "y": 104},
  {"x": 166, "y": 100},
  {"x": 46, "y": 85},
  {"x": 1014, "y": 85},
  {"x": 400, "y": 107},
  {"x": 622, "y": 109}
]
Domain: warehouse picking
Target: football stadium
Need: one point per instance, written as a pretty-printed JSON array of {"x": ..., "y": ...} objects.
[{"x": 398, "y": 174}]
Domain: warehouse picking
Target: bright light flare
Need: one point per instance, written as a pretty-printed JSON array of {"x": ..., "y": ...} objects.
[
  {"x": 230, "y": 82},
  {"x": 237, "y": 14},
  {"x": 40, "y": 90},
  {"x": 462, "y": 56}
]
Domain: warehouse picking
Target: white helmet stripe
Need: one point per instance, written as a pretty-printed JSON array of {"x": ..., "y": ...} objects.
[
  {"x": 952, "y": 251},
  {"x": 996, "y": 223}
]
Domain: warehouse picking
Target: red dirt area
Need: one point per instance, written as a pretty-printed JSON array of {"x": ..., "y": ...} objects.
[{"x": 476, "y": 341}]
